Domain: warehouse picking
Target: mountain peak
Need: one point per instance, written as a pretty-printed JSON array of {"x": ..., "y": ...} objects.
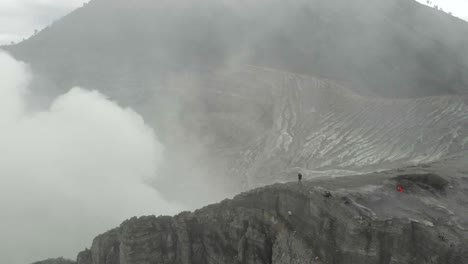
[{"x": 390, "y": 48}]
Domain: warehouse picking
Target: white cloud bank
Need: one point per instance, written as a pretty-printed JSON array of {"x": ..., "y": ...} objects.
[{"x": 71, "y": 172}]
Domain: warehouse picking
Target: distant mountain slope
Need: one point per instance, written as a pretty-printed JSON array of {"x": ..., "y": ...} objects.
[
  {"x": 389, "y": 86},
  {"x": 395, "y": 48},
  {"x": 263, "y": 125},
  {"x": 318, "y": 126}
]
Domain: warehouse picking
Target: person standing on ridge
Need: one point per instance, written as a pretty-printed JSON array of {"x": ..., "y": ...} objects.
[{"x": 299, "y": 177}]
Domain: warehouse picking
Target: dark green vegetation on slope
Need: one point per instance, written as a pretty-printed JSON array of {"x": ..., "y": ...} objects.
[{"x": 56, "y": 261}]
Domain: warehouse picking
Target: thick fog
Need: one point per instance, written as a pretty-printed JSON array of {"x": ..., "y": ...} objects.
[{"x": 69, "y": 172}]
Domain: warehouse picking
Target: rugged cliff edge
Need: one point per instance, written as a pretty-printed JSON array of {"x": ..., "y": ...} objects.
[{"x": 354, "y": 219}]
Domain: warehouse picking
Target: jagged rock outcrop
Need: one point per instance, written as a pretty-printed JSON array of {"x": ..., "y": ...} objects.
[
  {"x": 354, "y": 219},
  {"x": 84, "y": 257}
]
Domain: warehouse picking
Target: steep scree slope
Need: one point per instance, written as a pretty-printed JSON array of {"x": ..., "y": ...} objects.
[{"x": 318, "y": 125}]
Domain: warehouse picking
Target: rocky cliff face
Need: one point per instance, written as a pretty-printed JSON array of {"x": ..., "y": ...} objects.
[{"x": 355, "y": 219}]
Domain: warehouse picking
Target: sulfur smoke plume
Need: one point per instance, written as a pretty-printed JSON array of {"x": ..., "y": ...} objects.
[{"x": 71, "y": 171}]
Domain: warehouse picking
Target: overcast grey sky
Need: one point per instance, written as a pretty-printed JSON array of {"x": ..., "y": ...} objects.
[
  {"x": 19, "y": 18},
  {"x": 458, "y": 8}
]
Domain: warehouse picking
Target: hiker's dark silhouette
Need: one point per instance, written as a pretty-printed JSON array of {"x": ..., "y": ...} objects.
[{"x": 299, "y": 177}]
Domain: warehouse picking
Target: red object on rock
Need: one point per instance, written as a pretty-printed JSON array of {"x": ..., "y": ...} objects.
[{"x": 400, "y": 188}]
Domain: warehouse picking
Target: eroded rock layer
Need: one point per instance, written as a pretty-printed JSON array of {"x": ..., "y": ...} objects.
[{"x": 354, "y": 219}]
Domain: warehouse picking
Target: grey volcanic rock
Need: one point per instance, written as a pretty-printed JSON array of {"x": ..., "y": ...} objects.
[
  {"x": 263, "y": 126},
  {"x": 84, "y": 257},
  {"x": 318, "y": 125},
  {"x": 354, "y": 219}
]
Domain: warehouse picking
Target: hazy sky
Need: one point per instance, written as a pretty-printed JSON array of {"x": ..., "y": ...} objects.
[
  {"x": 459, "y": 8},
  {"x": 19, "y": 18}
]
